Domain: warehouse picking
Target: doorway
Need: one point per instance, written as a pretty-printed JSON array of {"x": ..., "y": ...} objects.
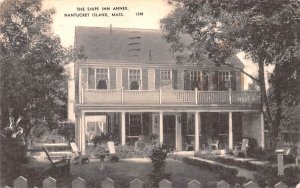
[{"x": 169, "y": 122}]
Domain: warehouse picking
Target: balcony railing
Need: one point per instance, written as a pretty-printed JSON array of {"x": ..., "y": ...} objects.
[{"x": 157, "y": 97}]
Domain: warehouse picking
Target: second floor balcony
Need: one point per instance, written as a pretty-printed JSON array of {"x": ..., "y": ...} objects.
[{"x": 168, "y": 97}]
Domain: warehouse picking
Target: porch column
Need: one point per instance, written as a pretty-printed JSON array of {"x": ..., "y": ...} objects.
[
  {"x": 123, "y": 129},
  {"x": 178, "y": 133},
  {"x": 262, "y": 124},
  {"x": 82, "y": 133},
  {"x": 230, "y": 133},
  {"x": 161, "y": 128},
  {"x": 196, "y": 131},
  {"x": 78, "y": 131}
]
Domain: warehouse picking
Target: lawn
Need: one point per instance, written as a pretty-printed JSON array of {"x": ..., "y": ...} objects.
[{"x": 127, "y": 170}]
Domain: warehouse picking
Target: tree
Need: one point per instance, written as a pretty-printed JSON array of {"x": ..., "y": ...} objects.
[
  {"x": 33, "y": 82},
  {"x": 265, "y": 30},
  {"x": 284, "y": 95}
]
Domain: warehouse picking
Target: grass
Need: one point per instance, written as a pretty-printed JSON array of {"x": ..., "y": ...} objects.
[{"x": 127, "y": 170}]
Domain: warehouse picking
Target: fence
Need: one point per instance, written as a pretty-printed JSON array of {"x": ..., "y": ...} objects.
[{"x": 21, "y": 182}]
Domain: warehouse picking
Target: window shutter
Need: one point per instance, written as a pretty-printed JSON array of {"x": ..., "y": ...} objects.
[
  {"x": 145, "y": 79},
  {"x": 157, "y": 78},
  {"x": 216, "y": 81},
  {"x": 187, "y": 80},
  {"x": 112, "y": 78},
  {"x": 174, "y": 79},
  {"x": 125, "y": 78},
  {"x": 233, "y": 80}
]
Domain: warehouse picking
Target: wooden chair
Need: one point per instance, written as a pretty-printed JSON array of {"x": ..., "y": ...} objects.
[
  {"x": 244, "y": 148},
  {"x": 213, "y": 144},
  {"x": 112, "y": 151},
  {"x": 79, "y": 158},
  {"x": 61, "y": 167}
]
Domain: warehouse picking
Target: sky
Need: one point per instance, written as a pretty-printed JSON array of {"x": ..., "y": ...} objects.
[{"x": 64, "y": 26}]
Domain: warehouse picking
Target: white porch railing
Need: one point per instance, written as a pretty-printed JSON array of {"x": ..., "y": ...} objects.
[{"x": 180, "y": 97}]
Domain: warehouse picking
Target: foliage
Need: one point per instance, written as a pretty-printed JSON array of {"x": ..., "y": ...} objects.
[
  {"x": 67, "y": 129},
  {"x": 132, "y": 152},
  {"x": 15, "y": 155},
  {"x": 33, "y": 82},
  {"x": 32, "y": 79},
  {"x": 265, "y": 30},
  {"x": 158, "y": 158},
  {"x": 284, "y": 95},
  {"x": 104, "y": 138},
  {"x": 267, "y": 176}
]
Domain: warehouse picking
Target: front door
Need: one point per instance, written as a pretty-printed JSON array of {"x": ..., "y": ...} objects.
[{"x": 169, "y": 130}]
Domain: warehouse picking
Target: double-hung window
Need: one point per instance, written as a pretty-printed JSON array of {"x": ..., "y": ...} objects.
[
  {"x": 195, "y": 77},
  {"x": 102, "y": 78},
  {"x": 224, "y": 80},
  {"x": 98, "y": 78},
  {"x": 166, "y": 78},
  {"x": 135, "y": 80}
]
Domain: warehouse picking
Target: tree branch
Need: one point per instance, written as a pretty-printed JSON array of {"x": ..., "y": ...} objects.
[{"x": 249, "y": 75}]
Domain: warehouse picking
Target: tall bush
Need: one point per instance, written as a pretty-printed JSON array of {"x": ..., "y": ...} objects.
[{"x": 158, "y": 158}]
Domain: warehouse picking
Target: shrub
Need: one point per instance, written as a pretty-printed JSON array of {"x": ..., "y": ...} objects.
[
  {"x": 132, "y": 152},
  {"x": 291, "y": 175},
  {"x": 13, "y": 155},
  {"x": 158, "y": 158}
]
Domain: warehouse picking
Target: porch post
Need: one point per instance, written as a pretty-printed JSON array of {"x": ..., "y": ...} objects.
[
  {"x": 123, "y": 129},
  {"x": 178, "y": 133},
  {"x": 230, "y": 133},
  {"x": 196, "y": 131},
  {"x": 82, "y": 133},
  {"x": 78, "y": 132},
  {"x": 262, "y": 124},
  {"x": 161, "y": 128}
]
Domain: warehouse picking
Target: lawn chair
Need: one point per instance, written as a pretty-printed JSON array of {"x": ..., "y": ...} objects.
[
  {"x": 244, "y": 148},
  {"x": 61, "y": 167},
  {"x": 213, "y": 145},
  {"x": 79, "y": 158},
  {"x": 112, "y": 151}
]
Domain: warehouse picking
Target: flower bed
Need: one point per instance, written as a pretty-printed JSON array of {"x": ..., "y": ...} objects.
[{"x": 134, "y": 152}]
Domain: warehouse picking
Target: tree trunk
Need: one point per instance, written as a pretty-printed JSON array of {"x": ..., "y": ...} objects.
[{"x": 265, "y": 102}]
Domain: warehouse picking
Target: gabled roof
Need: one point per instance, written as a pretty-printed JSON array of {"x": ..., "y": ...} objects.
[{"x": 109, "y": 44}]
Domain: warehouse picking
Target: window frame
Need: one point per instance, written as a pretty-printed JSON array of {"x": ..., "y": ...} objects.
[
  {"x": 140, "y": 115},
  {"x": 95, "y": 78},
  {"x": 140, "y": 80}
]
